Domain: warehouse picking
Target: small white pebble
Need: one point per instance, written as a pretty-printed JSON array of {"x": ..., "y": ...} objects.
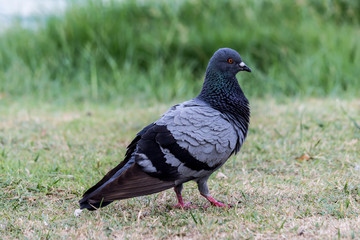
[
  {"x": 77, "y": 212},
  {"x": 221, "y": 175},
  {"x": 357, "y": 167}
]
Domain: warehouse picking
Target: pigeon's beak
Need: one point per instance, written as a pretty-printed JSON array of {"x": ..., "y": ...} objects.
[{"x": 243, "y": 67}]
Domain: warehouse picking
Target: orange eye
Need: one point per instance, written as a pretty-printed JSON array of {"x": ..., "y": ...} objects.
[{"x": 230, "y": 60}]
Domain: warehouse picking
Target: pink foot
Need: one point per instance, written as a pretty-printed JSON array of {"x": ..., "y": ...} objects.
[
  {"x": 181, "y": 203},
  {"x": 216, "y": 203}
]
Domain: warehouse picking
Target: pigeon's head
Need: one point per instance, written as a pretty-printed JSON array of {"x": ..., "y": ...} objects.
[
  {"x": 228, "y": 62},
  {"x": 221, "y": 88}
]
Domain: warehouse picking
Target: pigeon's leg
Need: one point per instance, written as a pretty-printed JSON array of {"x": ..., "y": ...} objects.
[
  {"x": 181, "y": 203},
  {"x": 204, "y": 191},
  {"x": 178, "y": 190}
]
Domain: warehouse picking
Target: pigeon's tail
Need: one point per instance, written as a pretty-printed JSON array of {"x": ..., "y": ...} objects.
[
  {"x": 110, "y": 176},
  {"x": 92, "y": 206},
  {"x": 129, "y": 181}
]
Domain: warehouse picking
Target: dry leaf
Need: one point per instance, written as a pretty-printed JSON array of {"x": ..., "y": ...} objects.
[
  {"x": 304, "y": 157},
  {"x": 352, "y": 142},
  {"x": 43, "y": 133}
]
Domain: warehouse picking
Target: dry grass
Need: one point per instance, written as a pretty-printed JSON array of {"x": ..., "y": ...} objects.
[{"x": 297, "y": 176}]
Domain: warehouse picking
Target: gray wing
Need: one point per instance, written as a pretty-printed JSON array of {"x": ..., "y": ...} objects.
[{"x": 204, "y": 133}]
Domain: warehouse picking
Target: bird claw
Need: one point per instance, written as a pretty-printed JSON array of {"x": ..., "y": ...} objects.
[{"x": 216, "y": 203}]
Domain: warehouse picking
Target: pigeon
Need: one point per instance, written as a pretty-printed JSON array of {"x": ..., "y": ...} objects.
[{"x": 188, "y": 142}]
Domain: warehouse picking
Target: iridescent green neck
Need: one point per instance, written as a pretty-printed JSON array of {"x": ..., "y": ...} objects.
[{"x": 220, "y": 86}]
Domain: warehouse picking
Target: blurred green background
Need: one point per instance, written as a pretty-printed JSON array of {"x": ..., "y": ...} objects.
[{"x": 158, "y": 50}]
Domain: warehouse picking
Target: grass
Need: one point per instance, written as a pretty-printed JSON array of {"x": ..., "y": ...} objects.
[
  {"x": 103, "y": 50},
  {"x": 76, "y": 89},
  {"x": 297, "y": 175}
]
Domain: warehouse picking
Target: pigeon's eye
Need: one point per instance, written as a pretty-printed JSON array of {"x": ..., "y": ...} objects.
[{"x": 230, "y": 60}]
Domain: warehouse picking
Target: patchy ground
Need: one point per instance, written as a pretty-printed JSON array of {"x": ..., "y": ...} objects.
[{"x": 297, "y": 176}]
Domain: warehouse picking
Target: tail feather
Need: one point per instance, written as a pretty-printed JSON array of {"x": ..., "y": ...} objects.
[
  {"x": 132, "y": 182},
  {"x": 93, "y": 206}
]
